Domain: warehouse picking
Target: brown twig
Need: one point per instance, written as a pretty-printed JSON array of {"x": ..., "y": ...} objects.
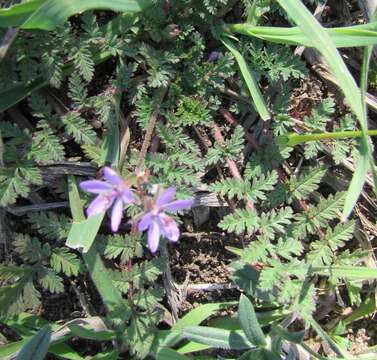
[{"x": 152, "y": 123}]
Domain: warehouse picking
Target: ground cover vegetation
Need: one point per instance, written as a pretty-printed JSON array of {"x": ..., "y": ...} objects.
[{"x": 187, "y": 179}]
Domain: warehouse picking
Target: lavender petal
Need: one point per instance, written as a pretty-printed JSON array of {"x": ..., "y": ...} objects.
[
  {"x": 99, "y": 205},
  {"x": 111, "y": 176},
  {"x": 145, "y": 222},
  {"x": 178, "y": 205},
  {"x": 166, "y": 197},
  {"x": 168, "y": 227},
  {"x": 127, "y": 196},
  {"x": 95, "y": 186},
  {"x": 116, "y": 215},
  {"x": 153, "y": 237}
]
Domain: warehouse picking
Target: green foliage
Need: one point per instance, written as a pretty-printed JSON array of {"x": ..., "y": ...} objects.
[
  {"x": 242, "y": 220},
  {"x": 62, "y": 260},
  {"x": 192, "y": 111},
  {"x": 319, "y": 216},
  {"x": 76, "y": 126},
  {"x": 51, "y": 225},
  {"x": 317, "y": 122},
  {"x": 276, "y": 62},
  {"x": 115, "y": 246},
  {"x": 230, "y": 149},
  {"x": 288, "y": 223},
  {"x": 254, "y": 190},
  {"x": 17, "y": 292}
]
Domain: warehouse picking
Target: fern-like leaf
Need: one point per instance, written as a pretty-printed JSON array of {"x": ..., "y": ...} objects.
[
  {"x": 62, "y": 260},
  {"x": 78, "y": 128},
  {"x": 240, "y": 221},
  {"x": 301, "y": 187},
  {"x": 50, "y": 224},
  {"x": 31, "y": 249},
  {"x": 274, "y": 221},
  {"x": 50, "y": 281}
]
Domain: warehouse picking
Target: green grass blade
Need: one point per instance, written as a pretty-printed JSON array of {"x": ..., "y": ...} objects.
[
  {"x": 342, "y": 37},
  {"x": 249, "y": 322},
  {"x": 48, "y": 14},
  {"x": 84, "y": 333},
  {"x": 16, "y": 15},
  {"x": 18, "y": 92},
  {"x": 191, "y": 347},
  {"x": 334, "y": 346},
  {"x": 169, "y": 354},
  {"x": 249, "y": 79},
  {"x": 364, "y": 87},
  {"x": 358, "y": 179},
  {"x": 217, "y": 338},
  {"x": 199, "y": 314},
  {"x": 346, "y": 272},
  {"x": 83, "y": 230},
  {"x": 311, "y": 28},
  {"x": 36, "y": 348}
]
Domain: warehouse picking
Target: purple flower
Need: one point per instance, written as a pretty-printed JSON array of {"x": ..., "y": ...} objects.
[
  {"x": 158, "y": 223},
  {"x": 111, "y": 192},
  {"x": 213, "y": 56}
]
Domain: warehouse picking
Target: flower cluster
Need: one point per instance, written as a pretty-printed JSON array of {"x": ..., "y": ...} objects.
[{"x": 115, "y": 192}]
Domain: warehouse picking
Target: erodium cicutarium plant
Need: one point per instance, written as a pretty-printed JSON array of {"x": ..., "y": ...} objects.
[{"x": 115, "y": 192}]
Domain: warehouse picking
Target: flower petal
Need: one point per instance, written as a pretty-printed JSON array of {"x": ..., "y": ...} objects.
[
  {"x": 145, "y": 222},
  {"x": 112, "y": 176},
  {"x": 166, "y": 197},
  {"x": 116, "y": 215},
  {"x": 153, "y": 237},
  {"x": 99, "y": 205},
  {"x": 127, "y": 196},
  {"x": 95, "y": 186},
  {"x": 179, "y": 205},
  {"x": 168, "y": 227}
]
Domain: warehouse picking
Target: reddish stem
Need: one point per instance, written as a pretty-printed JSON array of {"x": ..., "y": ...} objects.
[
  {"x": 231, "y": 163},
  {"x": 233, "y": 122},
  {"x": 150, "y": 129}
]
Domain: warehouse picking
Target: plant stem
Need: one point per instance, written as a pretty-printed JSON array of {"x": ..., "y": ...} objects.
[
  {"x": 231, "y": 163},
  {"x": 152, "y": 123},
  {"x": 295, "y": 139}
]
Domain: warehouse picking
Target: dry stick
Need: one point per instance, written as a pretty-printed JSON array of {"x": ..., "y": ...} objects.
[
  {"x": 152, "y": 123},
  {"x": 6, "y": 41}
]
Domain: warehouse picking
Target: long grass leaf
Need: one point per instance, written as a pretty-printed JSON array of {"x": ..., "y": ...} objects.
[
  {"x": 249, "y": 79},
  {"x": 36, "y": 348},
  {"x": 17, "y": 14},
  {"x": 48, "y": 14},
  {"x": 342, "y": 37}
]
